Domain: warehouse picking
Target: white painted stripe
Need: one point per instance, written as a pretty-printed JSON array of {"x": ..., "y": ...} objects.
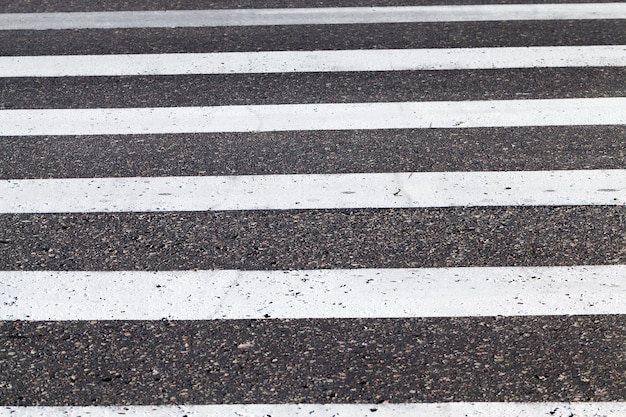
[
  {"x": 314, "y": 191},
  {"x": 325, "y": 116},
  {"x": 481, "y": 409},
  {"x": 308, "y": 16},
  {"x": 312, "y": 61},
  {"x": 352, "y": 293}
]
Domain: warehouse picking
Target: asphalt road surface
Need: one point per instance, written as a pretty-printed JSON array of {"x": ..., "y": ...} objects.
[{"x": 316, "y": 208}]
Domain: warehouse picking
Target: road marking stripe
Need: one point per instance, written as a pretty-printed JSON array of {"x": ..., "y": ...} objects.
[
  {"x": 325, "y": 116},
  {"x": 309, "y": 16},
  {"x": 314, "y": 191},
  {"x": 444, "y": 409},
  {"x": 312, "y": 61},
  {"x": 352, "y": 293}
]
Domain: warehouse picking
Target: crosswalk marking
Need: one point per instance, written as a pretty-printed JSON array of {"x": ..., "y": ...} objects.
[
  {"x": 321, "y": 191},
  {"x": 239, "y": 292},
  {"x": 339, "y": 293},
  {"x": 322, "y": 16},
  {"x": 324, "y": 116},
  {"x": 313, "y": 61},
  {"x": 449, "y": 409}
]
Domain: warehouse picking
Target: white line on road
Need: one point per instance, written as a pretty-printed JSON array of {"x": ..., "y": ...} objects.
[
  {"x": 324, "y": 116},
  {"x": 309, "y": 16},
  {"x": 477, "y": 409},
  {"x": 314, "y": 191},
  {"x": 353, "y": 293},
  {"x": 312, "y": 61}
]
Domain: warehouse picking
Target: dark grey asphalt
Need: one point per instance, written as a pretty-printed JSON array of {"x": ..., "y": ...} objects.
[
  {"x": 312, "y": 239},
  {"x": 563, "y": 358},
  {"x": 310, "y": 152},
  {"x": 107, "y": 5},
  {"x": 340, "y": 87},
  {"x": 314, "y": 37}
]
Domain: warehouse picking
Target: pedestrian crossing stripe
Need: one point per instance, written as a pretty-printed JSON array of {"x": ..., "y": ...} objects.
[
  {"x": 302, "y": 294},
  {"x": 309, "y": 16},
  {"x": 315, "y": 191},
  {"x": 450, "y": 409},
  {"x": 323, "y": 116},
  {"x": 313, "y": 61}
]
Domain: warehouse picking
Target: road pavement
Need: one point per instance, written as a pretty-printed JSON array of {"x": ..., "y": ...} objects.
[{"x": 434, "y": 230}]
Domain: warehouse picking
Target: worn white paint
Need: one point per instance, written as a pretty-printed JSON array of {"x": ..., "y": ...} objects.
[
  {"x": 325, "y": 116},
  {"x": 314, "y": 191},
  {"x": 312, "y": 61},
  {"x": 480, "y": 409},
  {"x": 352, "y": 293},
  {"x": 309, "y": 16}
]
